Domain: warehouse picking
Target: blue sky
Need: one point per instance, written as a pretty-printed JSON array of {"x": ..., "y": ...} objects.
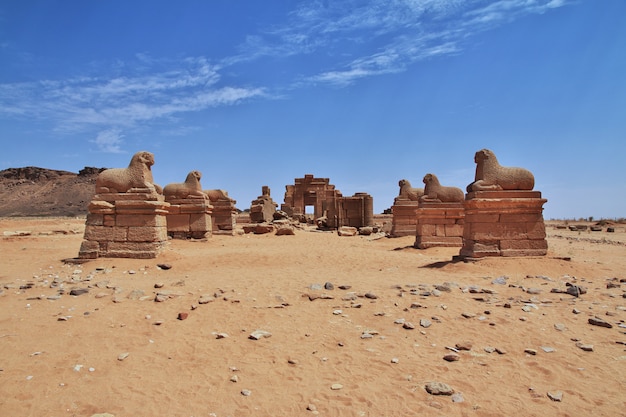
[{"x": 365, "y": 93}]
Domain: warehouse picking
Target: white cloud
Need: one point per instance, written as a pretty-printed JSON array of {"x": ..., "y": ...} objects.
[
  {"x": 353, "y": 39},
  {"x": 109, "y": 141}
]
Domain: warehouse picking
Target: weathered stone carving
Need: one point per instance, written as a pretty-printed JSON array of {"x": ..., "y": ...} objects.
[
  {"x": 408, "y": 192},
  {"x": 224, "y": 216},
  {"x": 328, "y": 202},
  {"x": 435, "y": 192},
  {"x": 191, "y": 188},
  {"x": 215, "y": 195},
  {"x": 138, "y": 174},
  {"x": 491, "y": 176}
]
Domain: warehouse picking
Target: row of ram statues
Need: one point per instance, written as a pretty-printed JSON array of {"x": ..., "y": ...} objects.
[{"x": 490, "y": 176}]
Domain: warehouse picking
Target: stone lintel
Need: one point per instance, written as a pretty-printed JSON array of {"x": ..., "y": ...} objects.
[
  {"x": 137, "y": 194},
  {"x": 404, "y": 202},
  {"x": 440, "y": 206},
  {"x": 502, "y": 195}
]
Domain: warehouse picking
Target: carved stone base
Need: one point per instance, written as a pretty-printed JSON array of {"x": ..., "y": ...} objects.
[
  {"x": 125, "y": 225},
  {"x": 439, "y": 224},
  {"x": 504, "y": 223},
  {"x": 189, "y": 218},
  {"x": 404, "y": 220},
  {"x": 224, "y": 217}
]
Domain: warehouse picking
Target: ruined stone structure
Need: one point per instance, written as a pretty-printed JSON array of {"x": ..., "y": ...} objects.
[
  {"x": 328, "y": 203},
  {"x": 127, "y": 216},
  {"x": 440, "y": 215},
  {"x": 224, "y": 216},
  {"x": 189, "y": 213},
  {"x": 263, "y": 208},
  {"x": 503, "y": 216},
  {"x": 404, "y": 210}
]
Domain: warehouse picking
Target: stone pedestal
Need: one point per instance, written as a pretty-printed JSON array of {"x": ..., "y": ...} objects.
[
  {"x": 404, "y": 218},
  {"x": 224, "y": 217},
  {"x": 263, "y": 208},
  {"x": 125, "y": 225},
  {"x": 439, "y": 224},
  {"x": 189, "y": 218},
  {"x": 504, "y": 223}
]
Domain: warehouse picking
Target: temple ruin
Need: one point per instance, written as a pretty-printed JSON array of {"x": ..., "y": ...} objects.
[{"x": 327, "y": 202}]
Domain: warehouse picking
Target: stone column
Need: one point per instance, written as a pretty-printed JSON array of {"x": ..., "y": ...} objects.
[
  {"x": 125, "y": 225},
  {"x": 504, "y": 223},
  {"x": 189, "y": 218},
  {"x": 439, "y": 224}
]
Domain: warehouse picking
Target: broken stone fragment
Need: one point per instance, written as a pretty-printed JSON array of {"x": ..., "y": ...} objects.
[
  {"x": 597, "y": 321},
  {"x": 439, "y": 388}
]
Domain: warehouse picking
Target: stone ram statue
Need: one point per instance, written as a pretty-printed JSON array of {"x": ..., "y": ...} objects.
[
  {"x": 215, "y": 195},
  {"x": 435, "y": 192},
  {"x": 407, "y": 192},
  {"x": 138, "y": 174},
  {"x": 491, "y": 176},
  {"x": 191, "y": 188}
]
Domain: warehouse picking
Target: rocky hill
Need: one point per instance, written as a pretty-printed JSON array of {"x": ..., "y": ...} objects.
[{"x": 33, "y": 191}]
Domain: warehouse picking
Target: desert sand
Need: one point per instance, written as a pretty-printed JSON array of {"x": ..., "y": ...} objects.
[{"x": 366, "y": 350}]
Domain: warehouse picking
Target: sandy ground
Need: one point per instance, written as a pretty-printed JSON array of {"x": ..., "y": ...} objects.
[{"x": 116, "y": 350}]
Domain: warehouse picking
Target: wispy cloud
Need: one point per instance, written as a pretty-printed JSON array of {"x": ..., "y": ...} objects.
[
  {"x": 397, "y": 33},
  {"x": 109, "y": 141},
  {"x": 81, "y": 104},
  {"x": 353, "y": 39}
]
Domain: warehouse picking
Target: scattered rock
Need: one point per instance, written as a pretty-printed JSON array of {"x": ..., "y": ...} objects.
[
  {"x": 246, "y": 392},
  {"x": 500, "y": 280},
  {"x": 408, "y": 325},
  {"x": 530, "y": 351},
  {"x": 259, "y": 334},
  {"x": 597, "y": 321},
  {"x": 329, "y": 286},
  {"x": 336, "y": 387},
  {"x": 425, "y": 323},
  {"x": 347, "y": 231},
  {"x": 159, "y": 298},
  {"x": 560, "y": 327},
  {"x": 205, "y": 299},
  {"x": 79, "y": 291},
  {"x": 439, "y": 388},
  {"x": 556, "y": 396},
  {"x": 285, "y": 231},
  {"x": 164, "y": 267},
  {"x": 452, "y": 357},
  {"x": 135, "y": 294},
  {"x": 466, "y": 345},
  {"x": 183, "y": 316},
  {"x": 584, "y": 346},
  {"x": 457, "y": 397},
  {"x": 122, "y": 356}
]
